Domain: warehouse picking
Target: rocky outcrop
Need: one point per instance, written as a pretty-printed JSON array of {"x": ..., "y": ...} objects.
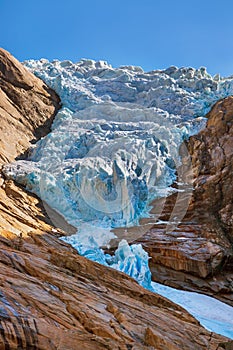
[
  {"x": 27, "y": 107},
  {"x": 212, "y": 157},
  {"x": 51, "y": 298},
  {"x": 197, "y": 254}
]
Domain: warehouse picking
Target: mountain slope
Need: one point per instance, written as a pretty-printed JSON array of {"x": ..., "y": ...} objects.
[{"x": 51, "y": 298}]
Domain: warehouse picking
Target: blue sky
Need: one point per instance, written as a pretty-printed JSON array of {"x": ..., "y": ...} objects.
[{"x": 150, "y": 33}]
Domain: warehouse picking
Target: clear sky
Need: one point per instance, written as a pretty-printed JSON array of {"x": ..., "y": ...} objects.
[{"x": 150, "y": 33}]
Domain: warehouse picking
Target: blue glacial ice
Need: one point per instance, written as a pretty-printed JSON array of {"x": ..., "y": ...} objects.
[
  {"x": 114, "y": 147},
  {"x": 132, "y": 260}
]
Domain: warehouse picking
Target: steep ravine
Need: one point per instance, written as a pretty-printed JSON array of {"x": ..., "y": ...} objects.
[{"x": 51, "y": 298}]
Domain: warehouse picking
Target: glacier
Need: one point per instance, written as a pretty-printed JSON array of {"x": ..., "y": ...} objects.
[
  {"x": 131, "y": 259},
  {"x": 114, "y": 147}
]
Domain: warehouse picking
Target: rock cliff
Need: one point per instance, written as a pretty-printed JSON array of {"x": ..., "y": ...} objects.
[
  {"x": 212, "y": 155},
  {"x": 27, "y": 107},
  {"x": 51, "y": 298},
  {"x": 198, "y": 254}
]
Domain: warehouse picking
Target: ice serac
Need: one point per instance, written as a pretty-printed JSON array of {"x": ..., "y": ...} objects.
[
  {"x": 130, "y": 259},
  {"x": 198, "y": 254},
  {"x": 114, "y": 145},
  {"x": 52, "y": 298}
]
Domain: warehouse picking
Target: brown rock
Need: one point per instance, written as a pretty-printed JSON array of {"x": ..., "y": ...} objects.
[
  {"x": 226, "y": 346},
  {"x": 27, "y": 107},
  {"x": 212, "y": 155},
  {"x": 52, "y": 298},
  {"x": 197, "y": 254}
]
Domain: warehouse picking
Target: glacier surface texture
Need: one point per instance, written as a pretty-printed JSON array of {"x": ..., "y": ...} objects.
[{"x": 114, "y": 147}]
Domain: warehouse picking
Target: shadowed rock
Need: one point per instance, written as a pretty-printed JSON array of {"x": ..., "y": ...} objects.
[{"x": 198, "y": 254}]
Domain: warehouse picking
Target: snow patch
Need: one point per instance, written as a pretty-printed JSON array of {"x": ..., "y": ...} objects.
[{"x": 213, "y": 314}]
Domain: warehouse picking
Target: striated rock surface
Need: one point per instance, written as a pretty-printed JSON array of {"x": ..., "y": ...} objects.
[
  {"x": 51, "y": 298},
  {"x": 27, "y": 107},
  {"x": 198, "y": 255},
  {"x": 212, "y": 154}
]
